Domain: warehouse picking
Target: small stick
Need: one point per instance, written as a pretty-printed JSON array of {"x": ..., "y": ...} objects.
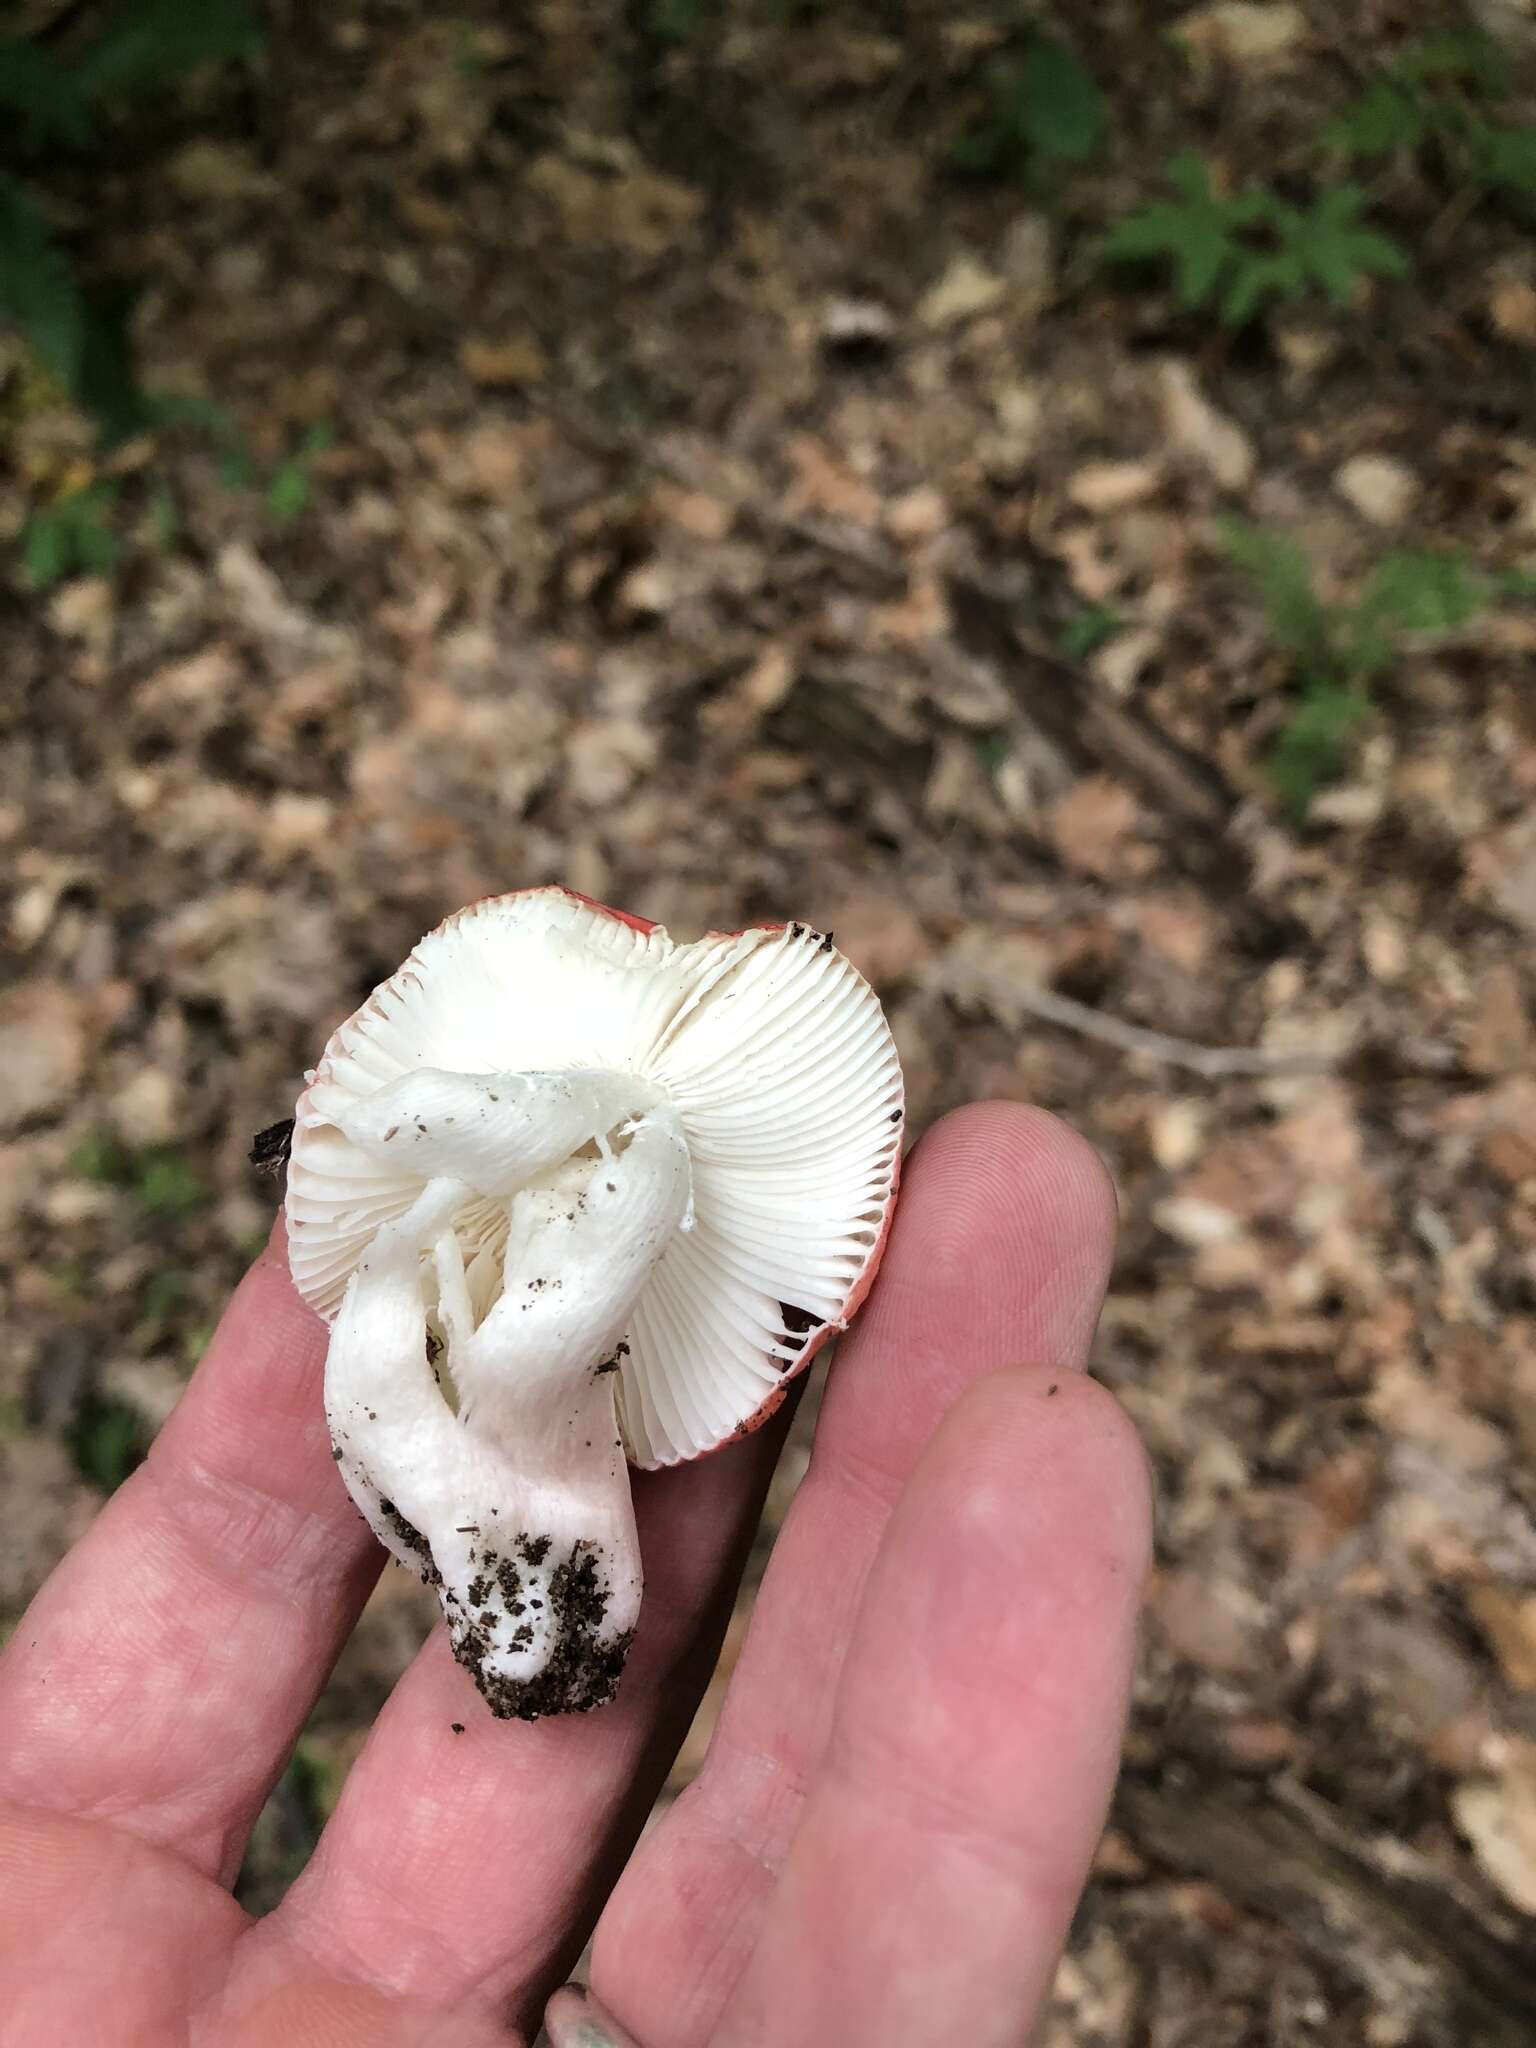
[{"x": 1215, "y": 1062}]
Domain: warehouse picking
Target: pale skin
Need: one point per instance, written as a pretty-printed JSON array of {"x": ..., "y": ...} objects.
[{"x": 902, "y": 1799}]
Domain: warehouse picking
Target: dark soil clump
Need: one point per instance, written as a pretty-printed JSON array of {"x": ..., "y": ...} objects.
[{"x": 583, "y": 1671}]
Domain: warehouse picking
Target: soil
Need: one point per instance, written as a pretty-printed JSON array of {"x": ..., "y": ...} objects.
[{"x": 720, "y": 493}]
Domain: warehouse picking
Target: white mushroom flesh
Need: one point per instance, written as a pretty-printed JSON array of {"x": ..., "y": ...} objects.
[{"x": 516, "y": 1506}]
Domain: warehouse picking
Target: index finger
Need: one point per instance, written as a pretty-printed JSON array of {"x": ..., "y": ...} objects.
[{"x": 163, "y": 1671}]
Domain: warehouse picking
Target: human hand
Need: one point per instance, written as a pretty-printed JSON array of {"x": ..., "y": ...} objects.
[{"x": 891, "y": 1830}]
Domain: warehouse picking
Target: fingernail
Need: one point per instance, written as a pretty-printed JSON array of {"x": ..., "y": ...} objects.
[{"x": 574, "y": 2019}]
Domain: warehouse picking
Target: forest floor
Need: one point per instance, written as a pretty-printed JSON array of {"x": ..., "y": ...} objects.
[{"x": 679, "y": 457}]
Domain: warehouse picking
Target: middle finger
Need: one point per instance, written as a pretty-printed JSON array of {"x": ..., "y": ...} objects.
[{"x": 999, "y": 1255}]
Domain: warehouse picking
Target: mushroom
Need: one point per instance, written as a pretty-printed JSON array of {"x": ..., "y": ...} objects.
[{"x": 570, "y": 1192}]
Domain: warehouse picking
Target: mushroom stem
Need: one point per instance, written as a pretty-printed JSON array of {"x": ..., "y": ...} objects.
[{"x": 517, "y": 1507}]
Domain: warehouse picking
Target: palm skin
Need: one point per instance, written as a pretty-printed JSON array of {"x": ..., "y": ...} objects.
[{"x": 901, "y": 1800}]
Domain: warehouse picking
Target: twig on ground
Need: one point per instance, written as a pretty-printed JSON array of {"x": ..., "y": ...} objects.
[{"x": 1215, "y": 1062}]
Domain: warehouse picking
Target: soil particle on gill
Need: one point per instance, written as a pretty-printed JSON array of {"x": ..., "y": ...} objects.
[
  {"x": 412, "y": 1538},
  {"x": 582, "y": 1670}
]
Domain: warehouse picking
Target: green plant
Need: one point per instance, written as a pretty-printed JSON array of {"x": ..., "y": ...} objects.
[
  {"x": 1089, "y": 630},
  {"x": 195, "y": 1339},
  {"x": 163, "y": 1322},
  {"x": 70, "y": 536},
  {"x": 107, "y": 1439},
  {"x": 164, "y": 517},
  {"x": 156, "y": 1178},
  {"x": 165, "y": 1185},
  {"x": 1441, "y": 96},
  {"x": 38, "y": 292},
  {"x": 163, "y": 1294},
  {"x": 289, "y": 488},
  {"x": 136, "y": 51},
  {"x": 102, "y": 1156},
  {"x": 1044, "y": 110},
  {"x": 318, "y": 1775},
  {"x": 57, "y": 100},
  {"x": 1317, "y": 742},
  {"x": 74, "y": 1277},
  {"x": 1335, "y": 651},
  {"x": 468, "y": 57},
  {"x": 1240, "y": 251},
  {"x": 675, "y": 21},
  {"x": 286, "y": 491},
  {"x": 992, "y": 752},
  {"x": 289, "y": 1824},
  {"x": 170, "y": 411}
]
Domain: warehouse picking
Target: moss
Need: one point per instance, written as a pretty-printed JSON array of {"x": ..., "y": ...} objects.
[{"x": 108, "y": 1439}]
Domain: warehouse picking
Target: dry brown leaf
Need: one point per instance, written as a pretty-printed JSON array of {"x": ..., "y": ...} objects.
[
  {"x": 1091, "y": 825},
  {"x": 1183, "y": 931},
  {"x": 1505, "y": 864},
  {"x": 1508, "y": 1621},
  {"x": 42, "y": 879},
  {"x": 983, "y": 961},
  {"x": 144, "y": 1109},
  {"x": 1519, "y": 1346},
  {"x": 1509, "y": 1153},
  {"x": 1322, "y": 1137},
  {"x": 605, "y": 756},
  {"x": 1499, "y": 1037},
  {"x": 1175, "y": 1133},
  {"x": 1198, "y": 431},
  {"x": 1255, "y": 1745},
  {"x": 1101, "y": 487},
  {"x": 917, "y": 516},
  {"x": 494, "y": 456},
  {"x": 208, "y": 170},
  {"x": 1417, "y": 1673},
  {"x": 699, "y": 514},
  {"x": 1380, "y": 488},
  {"x": 514, "y": 359},
  {"x": 85, "y": 609},
  {"x": 259, "y": 955},
  {"x": 1212, "y": 1619},
  {"x": 1253, "y": 35},
  {"x": 1199, "y": 1223},
  {"x": 1512, "y": 309},
  {"x": 922, "y": 615},
  {"x": 1249, "y": 1175},
  {"x": 1409, "y": 1403},
  {"x": 638, "y": 210},
  {"x": 47, "y": 1506},
  {"x": 1028, "y": 255},
  {"x": 1120, "y": 664},
  {"x": 824, "y": 483},
  {"x": 258, "y": 601},
  {"x": 43, "y": 1045},
  {"x": 880, "y": 935},
  {"x": 1341, "y": 1488},
  {"x": 1497, "y": 1814},
  {"x": 966, "y": 288}
]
